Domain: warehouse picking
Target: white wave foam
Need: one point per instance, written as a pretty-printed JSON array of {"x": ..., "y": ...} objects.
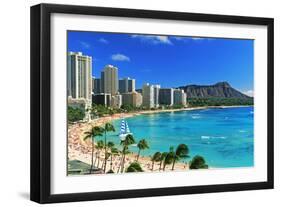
[
  {"x": 212, "y": 137},
  {"x": 195, "y": 117}
]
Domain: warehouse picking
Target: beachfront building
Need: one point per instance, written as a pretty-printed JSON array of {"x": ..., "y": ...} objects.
[
  {"x": 148, "y": 96},
  {"x": 166, "y": 96},
  {"x": 110, "y": 79},
  {"x": 156, "y": 89},
  {"x": 102, "y": 99},
  {"x": 116, "y": 101},
  {"x": 96, "y": 85},
  {"x": 79, "y": 76},
  {"x": 179, "y": 97},
  {"x": 127, "y": 85},
  {"x": 102, "y": 82},
  {"x": 132, "y": 98}
]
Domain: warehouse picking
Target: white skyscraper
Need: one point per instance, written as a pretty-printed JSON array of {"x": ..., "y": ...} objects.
[
  {"x": 156, "y": 89},
  {"x": 110, "y": 74},
  {"x": 79, "y": 76},
  {"x": 148, "y": 96},
  {"x": 179, "y": 97}
]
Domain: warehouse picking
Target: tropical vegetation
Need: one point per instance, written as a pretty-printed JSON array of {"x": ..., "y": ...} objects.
[
  {"x": 109, "y": 151},
  {"x": 92, "y": 134},
  {"x": 195, "y": 102},
  {"x": 142, "y": 145},
  {"x": 134, "y": 167},
  {"x": 198, "y": 162},
  {"x": 75, "y": 114}
]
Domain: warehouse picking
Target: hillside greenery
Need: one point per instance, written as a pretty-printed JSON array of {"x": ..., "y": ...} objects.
[{"x": 193, "y": 102}]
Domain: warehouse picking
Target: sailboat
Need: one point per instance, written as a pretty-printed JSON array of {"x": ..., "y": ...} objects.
[{"x": 124, "y": 130}]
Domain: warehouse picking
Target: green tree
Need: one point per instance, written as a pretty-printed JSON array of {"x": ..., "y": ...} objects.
[
  {"x": 181, "y": 152},
  {"x": 155, "y": 158},
  {"x": 100, "y": 146},
  {"x": 75, "y": 114},
  {"x": 142, "y": 145},
  {"x": 169, "y": 158},
  {"x": 162, "y": 158},
  {"x": 134, "y": 167},
  {"x": 198, "y": 162},
  {"x": 108, "y": 127},
  {"x": 129, "y": 140},
  {"x": 94, "y": 132},
  {"x": 113, "y": 152}
]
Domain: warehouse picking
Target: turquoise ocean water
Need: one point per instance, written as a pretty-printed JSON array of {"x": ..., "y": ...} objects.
[{"x": 223, "y": 136}]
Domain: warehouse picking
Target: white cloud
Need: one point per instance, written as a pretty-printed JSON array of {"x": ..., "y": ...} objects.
[
  {"x": 120, "y": 57},
  {"x": 104, "y": 41},
  {"x": 249, "y": 93},
  {"x": 154, "y": 39},
  {"x": 85, "y": 44}
]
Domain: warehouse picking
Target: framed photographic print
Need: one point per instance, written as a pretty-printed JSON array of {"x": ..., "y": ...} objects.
[{"x": 132, "y": 103}]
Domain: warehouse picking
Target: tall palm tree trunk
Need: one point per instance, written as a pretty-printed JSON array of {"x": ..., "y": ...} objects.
[
  {"x": 152, "y": 165},
  {"x": 138, "y": 155},
  {"x": 160, "y": 165},
  {"x": 123, "y": 163},
  {"x": 111, "y": 162},
  {"x": 173, "y": 166},
  {"x": 92, "y": 158},
  {"x": 120, "y": 164},
  {"x": 105, "y": 150},
  {"x": 96, "y": 158},
  {"x": 164, "y": 167}
]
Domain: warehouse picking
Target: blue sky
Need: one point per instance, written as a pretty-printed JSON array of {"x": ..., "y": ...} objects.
[{"x": 170, "y": 61}]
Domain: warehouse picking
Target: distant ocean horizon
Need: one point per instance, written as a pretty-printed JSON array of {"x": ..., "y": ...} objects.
[{"x": 224, "y": 137}]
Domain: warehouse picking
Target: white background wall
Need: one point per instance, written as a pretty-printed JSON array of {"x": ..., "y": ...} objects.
[{"x": 14, "y": 102}]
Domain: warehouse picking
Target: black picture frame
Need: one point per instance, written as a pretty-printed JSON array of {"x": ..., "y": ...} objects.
[{"x": 41, "y": 98}]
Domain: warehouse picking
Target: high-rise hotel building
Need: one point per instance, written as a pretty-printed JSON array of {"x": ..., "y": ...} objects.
[
  {"x": 148, "y": 96},
  {"x": 96, "y": 85},
  {"x": 166, "y": 96},
  {"x": 179, "y": 97},
  {"x": 79, "y": 76},
  {"x": 127, "y": 85},
  {"x": 109, "y": 80},
  {"x": 156, "y": 89}
]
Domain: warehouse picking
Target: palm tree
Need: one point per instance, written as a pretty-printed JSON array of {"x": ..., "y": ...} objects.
[
  {"x": 169, "y": 158},
  {"x": 108, "y": 127},
  {"x": 129, "y": 140},
  {"x": 198, "y": 162},
  {"x": 134, "y": 167},
  {"x": 155, "y": 158},
  {"x": 114, "y": 152},
  {"x": 94, "y": 132},
  {"x": 127, "y": 151},
  {"x": 142, "y": 145},
  {"x": 162, "y": 158},
  {"x": 181, "y": 152},
  {"x": 100, "y": 146}
]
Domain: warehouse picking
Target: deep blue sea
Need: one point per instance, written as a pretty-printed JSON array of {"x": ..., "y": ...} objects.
[{"x": 225, "y": 137}]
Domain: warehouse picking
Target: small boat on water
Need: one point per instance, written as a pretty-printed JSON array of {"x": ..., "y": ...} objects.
[{"x": 124, "y": 130}]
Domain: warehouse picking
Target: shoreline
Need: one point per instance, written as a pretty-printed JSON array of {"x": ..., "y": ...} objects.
[
  {"x": 79, "y": 149},
  {"x": 137, "y": 113}
]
